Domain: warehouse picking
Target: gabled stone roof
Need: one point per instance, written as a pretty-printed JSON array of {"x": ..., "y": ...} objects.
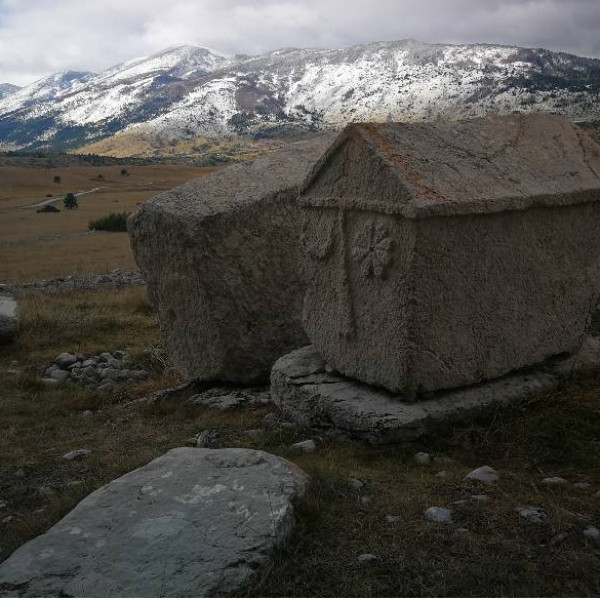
[{"x": 475, "y": 166}]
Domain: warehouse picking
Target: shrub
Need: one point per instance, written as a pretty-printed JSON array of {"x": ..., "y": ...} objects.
[
  {"x": 124, "y": 173},
  {"x": 112, "y": 222},
  {"x": 57, "y": 179},
  {"x": 70, "y": 201}
]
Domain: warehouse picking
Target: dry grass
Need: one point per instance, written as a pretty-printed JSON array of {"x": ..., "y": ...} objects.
[
  {"x": 501, "y": 555},
  {"x": 46, "y": 245}
]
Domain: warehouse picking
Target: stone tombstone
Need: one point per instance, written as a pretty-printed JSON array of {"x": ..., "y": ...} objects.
[
  {"x": 220, "y": 256},
  {"x": 443, "y": 254}
]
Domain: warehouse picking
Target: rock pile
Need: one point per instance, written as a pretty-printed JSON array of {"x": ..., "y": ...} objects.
[{"x": 101, "y": 373}]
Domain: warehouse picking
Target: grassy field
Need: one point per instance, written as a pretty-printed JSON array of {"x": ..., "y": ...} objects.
[
  {"x": 500, "y": 554},
  {"x": 44, "y": 245}
]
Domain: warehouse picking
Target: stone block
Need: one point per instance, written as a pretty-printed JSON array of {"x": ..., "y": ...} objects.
[
  {"x": 440, "y": 255},
  {"x": 9, "y": 319},
  {"x": 221, "y": 259}
]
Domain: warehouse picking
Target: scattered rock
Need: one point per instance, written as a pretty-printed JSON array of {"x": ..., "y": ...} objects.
[
  {"x": 60, "y": 374},
  {"x": 554, "y": 481},
  {"x": 366, "y": 500},
  {"x": 592, "y": 534},
  {"x": 194, "y": 522},
  {"x": 82, "y": 453},
  {"x": 558, "y": 538},
  {"x": 205, "y": 438},
  {"x": 582, "y": 485},
  {"x": 392, "y": 518},
  {"x": 88, "y": 414},
  {"x": 438, "y": 515},
  {"x": 305, "y": 446},
  {"x": 65, "y": 360},
  {"x": 481, "y": 498},
  {"x": 484, "y": 474},
  {"x": 422, "y": 458},
  {"x": 9, "y": 319},
  {"x": 7, "y": 520},
  {"x": 461, "y": 531},
  {"x": 367, "y": 558},
  {"x": 441, "y": 474},
  {"x": 224, "y": 399},
  {"x": 357, "y": 484},
  {"x": 50, "y": 382},
  {"x": 535, "y": 514}
]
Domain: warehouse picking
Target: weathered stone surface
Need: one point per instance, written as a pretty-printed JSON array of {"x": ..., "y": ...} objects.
[
  {"x": 312, "y": 397},
  {"x": 220, "y": 257},
  {"x": 440, "y": 255},
  {"x": 9, "y": 319},
  {"x": 193, "y": 522}
]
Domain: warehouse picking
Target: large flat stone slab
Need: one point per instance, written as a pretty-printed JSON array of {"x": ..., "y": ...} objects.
[
  {"x": 9, "y": 319},
  {"x": 313, "y": 397},
  {"x": 443, "y": 254},
  {"x": 220, "y": 256},
  {"x": 194, "y": 522}
]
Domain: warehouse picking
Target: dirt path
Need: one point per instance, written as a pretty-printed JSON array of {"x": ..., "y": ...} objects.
[{"x": 52, "y": 200}]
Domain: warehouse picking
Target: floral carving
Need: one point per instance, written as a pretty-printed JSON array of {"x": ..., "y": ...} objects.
[
  {"x": 373, "y": 249},
  {"x": 318, "y": 241}
]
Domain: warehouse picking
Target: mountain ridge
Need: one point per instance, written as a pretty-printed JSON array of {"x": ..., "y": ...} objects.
[{"x": 188, "y": 91}]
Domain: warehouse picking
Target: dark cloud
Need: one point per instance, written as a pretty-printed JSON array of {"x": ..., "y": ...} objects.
[{"x": 38, "y": 37}]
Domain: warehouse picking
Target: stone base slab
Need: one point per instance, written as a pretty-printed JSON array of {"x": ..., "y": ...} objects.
[{"x": 311, "y": 396}]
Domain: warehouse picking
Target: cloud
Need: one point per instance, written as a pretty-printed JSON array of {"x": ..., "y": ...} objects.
[{"x": 38, "y": 37}]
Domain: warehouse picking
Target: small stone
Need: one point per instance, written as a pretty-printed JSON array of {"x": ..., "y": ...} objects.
[
  {"x": 597, "y": 495},
  {"x": 60, "y": 374},
  {"x": 76, "y": 454},
  {"x": 438, "y": 515},
  {"x": 461, "y": 531},
  {"x": 88, "y": 414},
  {"x": 20, "y": 473},
  {"x": 592, "y": 533},
  {"x": 90, "y": 372},
  {"x": 89, "y": 362},
  {"x": 105, "y": 357},
  {"x": 8, "y": 519},
  {"x": 481, "y": 497},
  {"x": 582, "y": 485},
  {"x": 392, "y": 518},
  {"x": 441, "y": 474},
  {"x": 305, "y": 446},
  {"x": 484, "y": 474},
  {"x": 554, "y": 481},
  {"x": 65, "y": 359},
  {"x": 535, "y": 514},
  {"x": 50, "y": 382},
  {"x": 366, "y": 500},
  {"x": 357, "y": 484},
  {"x": 119, "y": 354},
  {"x": 205, "y": 438},
  {"x": 422, "y": 458},
  {"x": 367, "y": 558}
]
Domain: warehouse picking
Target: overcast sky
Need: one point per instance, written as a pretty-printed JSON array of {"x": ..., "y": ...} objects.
[{"x": 39, "y": 37}]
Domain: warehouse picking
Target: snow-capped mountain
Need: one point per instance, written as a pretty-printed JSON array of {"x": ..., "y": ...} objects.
[
  {"x": 7, "y": 88},
  {"x": 190, "y": 91}
]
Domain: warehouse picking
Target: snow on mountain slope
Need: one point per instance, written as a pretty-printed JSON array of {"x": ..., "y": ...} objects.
[
  {"x": 8, "y": 88},
  {"x": 187, "y": 91}
]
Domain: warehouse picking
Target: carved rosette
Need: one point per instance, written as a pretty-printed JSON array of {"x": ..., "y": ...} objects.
[{"x": 372, "y": 249}]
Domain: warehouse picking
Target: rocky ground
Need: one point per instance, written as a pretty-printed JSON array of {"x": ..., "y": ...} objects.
[{"x": 504, "y": 507}]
